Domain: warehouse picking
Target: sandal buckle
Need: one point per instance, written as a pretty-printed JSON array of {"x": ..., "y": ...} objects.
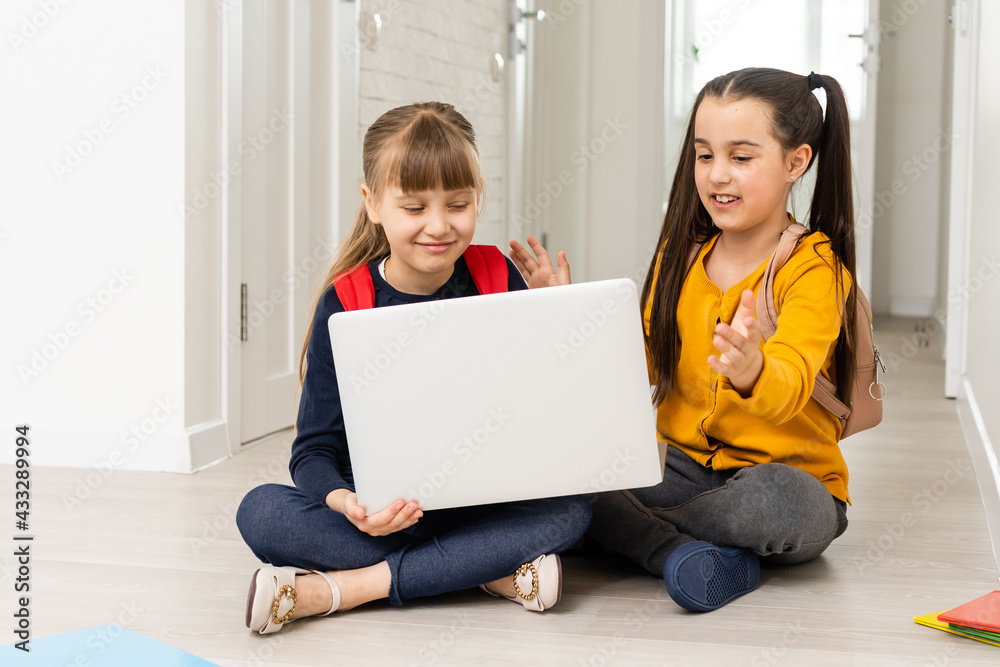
[
  {"x": 288, "y": 592},
  {"x": 521, "y": 571}
]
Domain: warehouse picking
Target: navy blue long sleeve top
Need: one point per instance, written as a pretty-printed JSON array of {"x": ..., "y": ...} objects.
[{"x": 321, "y": 460}]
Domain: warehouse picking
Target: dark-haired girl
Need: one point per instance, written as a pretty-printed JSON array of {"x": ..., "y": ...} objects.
[{"x": 754, "y": 470}]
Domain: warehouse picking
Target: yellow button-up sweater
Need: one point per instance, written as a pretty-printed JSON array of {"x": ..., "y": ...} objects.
[{"x": 779, "y": 422}]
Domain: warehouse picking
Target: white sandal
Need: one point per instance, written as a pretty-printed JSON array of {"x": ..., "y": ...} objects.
[
  {"x": 272, "y": 597},
  {"x": 537, "y": 585}
]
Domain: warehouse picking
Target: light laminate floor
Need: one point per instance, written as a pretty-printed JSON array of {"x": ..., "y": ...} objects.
[{"x": 160, "y": 554}]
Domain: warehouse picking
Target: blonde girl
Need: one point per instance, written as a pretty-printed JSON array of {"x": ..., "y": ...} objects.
[{"x": 322, "y": 552}]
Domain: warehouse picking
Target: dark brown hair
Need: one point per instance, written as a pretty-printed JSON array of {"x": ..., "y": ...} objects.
[
  {"x": 415, "y": 147},
  {"x": 796, "y": 119}
]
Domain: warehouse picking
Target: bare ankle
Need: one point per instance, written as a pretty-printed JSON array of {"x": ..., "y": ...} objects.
[
  {"x": 356, "y": 587},
  {"x": 314, "y": 595}
]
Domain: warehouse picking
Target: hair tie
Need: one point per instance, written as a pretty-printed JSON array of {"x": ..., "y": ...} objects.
[{"x": 815, "y": 81}]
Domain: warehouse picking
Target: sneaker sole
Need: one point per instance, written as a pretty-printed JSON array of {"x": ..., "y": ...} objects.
[{"x": 727, "y": 573}]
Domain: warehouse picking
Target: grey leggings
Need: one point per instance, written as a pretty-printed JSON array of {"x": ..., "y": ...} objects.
[{"x": 781, "y": 513}]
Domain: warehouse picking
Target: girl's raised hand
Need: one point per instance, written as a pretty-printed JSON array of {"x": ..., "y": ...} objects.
[
  {"x": 741, "y": 360},
  {"x": 538, "y": 272},
  {"x": 393, "y": 518}
]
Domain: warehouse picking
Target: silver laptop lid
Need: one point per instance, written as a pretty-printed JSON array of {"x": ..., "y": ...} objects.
[{"x": 497, "y": 398}]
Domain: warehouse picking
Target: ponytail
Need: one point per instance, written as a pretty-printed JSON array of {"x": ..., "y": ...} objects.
[
  {"x": 365, "y": 243},
  {"x": 832, "y": 212}
]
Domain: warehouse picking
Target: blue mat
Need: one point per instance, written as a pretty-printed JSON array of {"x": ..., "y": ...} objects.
[{"x": 101, "y": 646}]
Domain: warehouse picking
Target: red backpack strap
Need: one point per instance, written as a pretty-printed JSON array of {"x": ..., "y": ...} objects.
[
  {"x": 356, "y": 289},
  {"x": 488, "y": 267}
]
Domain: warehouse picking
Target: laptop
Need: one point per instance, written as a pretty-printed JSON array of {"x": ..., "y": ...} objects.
[{"x": 496, "y": 398}]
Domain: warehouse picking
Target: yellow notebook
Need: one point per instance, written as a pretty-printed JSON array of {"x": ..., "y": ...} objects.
[{"x": 931, "y": 621}]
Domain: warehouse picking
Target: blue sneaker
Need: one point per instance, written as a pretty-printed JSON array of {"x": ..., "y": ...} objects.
[{"x": 700, "y": 576}]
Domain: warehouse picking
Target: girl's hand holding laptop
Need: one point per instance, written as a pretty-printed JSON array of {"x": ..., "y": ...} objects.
[{"x": 397, "y": 516}]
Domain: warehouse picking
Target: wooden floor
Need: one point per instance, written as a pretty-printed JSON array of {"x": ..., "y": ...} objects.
[{"x": 160, "y": 554}]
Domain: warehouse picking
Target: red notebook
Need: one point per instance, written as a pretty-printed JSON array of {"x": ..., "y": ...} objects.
[{"x": 982, "y": 613}]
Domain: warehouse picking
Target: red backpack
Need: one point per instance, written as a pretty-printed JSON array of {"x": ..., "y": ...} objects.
[{"x": 486, "y": 263}]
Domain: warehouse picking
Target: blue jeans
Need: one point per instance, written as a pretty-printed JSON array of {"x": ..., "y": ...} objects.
[
  {"x": 779, "y": 512},
  {"x": 446, "y": 550}
]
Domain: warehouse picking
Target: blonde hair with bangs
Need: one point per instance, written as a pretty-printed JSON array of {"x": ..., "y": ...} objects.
[{"x": 415, "y": 147}]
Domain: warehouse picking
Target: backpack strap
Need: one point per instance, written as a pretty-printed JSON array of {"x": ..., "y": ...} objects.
[
  {"x": 488, "y": 267},
  {"x": 693, "y": 255},
  {"x": 355, "y": 288},
  {"x": 824, "y": 391},
  {"x": 486, "y": 263},
  {"x": 767, "y": 313},
  {"x": 866, "y": 380}
]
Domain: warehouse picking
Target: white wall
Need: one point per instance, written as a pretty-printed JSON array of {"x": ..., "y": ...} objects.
[
  {"x": 625, "y": 180},
  {"x": 912, "y": 141},
  {"x": 441, "y": 50},
  {"x": 92, "y": 257},
  {"x": 983, "y": 281},
  {"x": 115, "y": 345}
]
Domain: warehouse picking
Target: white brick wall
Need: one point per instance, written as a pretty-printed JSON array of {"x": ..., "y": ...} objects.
[{"x": 441, "y": 50}]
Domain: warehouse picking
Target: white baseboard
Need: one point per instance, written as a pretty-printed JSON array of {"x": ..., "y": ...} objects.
[
  {"x": 209, "y": 444},
  {"x": 984, "y": 461},
  {"x": 100, "y": 449},
  {"x": 106, "y": 447},
  {"x": 911, "y": 306}
]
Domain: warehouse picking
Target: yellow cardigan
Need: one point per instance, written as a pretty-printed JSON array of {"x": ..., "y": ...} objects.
[{"x": 779, "y": 422}]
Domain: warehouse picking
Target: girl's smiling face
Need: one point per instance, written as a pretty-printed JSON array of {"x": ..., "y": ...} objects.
[
  {"x": 427, "y": 231},
  {"x": 742, "y": 173}
]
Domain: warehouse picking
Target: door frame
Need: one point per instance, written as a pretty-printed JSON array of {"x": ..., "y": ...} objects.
[
  {"x": 964, "y": 74},
  {"x": 231, "y": 227},
  {"x": 865, "y": 243}
]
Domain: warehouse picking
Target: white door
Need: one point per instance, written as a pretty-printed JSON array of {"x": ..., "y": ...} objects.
[
  {"x": 839, "y": 38},
  {"x": 270, "y": 120},
  {"x": 288, "y": 122}
]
